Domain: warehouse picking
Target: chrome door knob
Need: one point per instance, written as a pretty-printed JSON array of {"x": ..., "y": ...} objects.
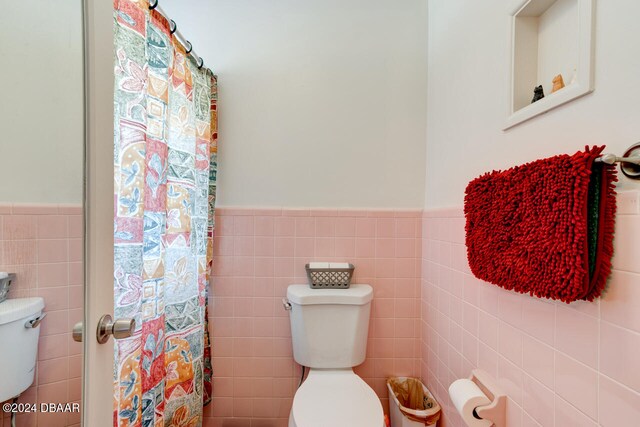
[
  {"x": 120, "y": 328},
  {"x": 77, "y": 332}
]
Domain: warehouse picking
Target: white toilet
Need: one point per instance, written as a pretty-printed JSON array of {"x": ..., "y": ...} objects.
[
  {"x": 19, "y": 330},
  {"x": 329, "y": 332}
]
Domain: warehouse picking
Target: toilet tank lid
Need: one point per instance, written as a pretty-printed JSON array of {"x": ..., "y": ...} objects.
[
  {"x": 354, "y": 295},
  {"x": 18, "y": 308}
]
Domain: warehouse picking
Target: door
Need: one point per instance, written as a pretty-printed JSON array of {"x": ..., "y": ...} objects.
[{"x": 98, "y": 367}]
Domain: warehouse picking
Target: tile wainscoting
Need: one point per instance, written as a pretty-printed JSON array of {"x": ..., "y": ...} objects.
[
  {"x": 561, "y": 364},
  {"x": 42, "y": 244},
  {"x": 258, "y": 253}
]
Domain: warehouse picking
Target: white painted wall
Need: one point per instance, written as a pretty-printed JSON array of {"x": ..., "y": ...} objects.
[
  {"x": 468, "y": 65},
  {"x": 322, "y": 103},
  {"x": 41, "y": 106}
]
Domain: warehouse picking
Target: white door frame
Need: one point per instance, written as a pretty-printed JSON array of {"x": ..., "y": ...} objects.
[{"x": 98, "y": 208}]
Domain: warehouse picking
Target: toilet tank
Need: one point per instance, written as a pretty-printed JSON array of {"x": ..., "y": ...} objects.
[
  {"x": 19, "y": 343},
  {"x": 329, "y": 327}
]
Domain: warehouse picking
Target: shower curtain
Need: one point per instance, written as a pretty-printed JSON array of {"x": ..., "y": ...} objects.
[{"x": 165, "y": 174}]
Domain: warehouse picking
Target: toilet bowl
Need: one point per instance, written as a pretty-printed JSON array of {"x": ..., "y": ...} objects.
[
  {"x": 19, "y": 333},
  {"x": 335, "y": 398},
  {"x": 329, "y": 330}
]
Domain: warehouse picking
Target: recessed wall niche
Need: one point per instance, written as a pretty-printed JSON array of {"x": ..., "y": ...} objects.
[{"x": 549, "y": 37}]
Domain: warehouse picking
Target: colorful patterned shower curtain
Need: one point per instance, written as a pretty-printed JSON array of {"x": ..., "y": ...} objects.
[{"x": 165, "y": 174}]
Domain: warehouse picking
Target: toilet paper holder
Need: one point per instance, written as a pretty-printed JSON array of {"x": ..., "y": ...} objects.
[{"x": 496, "y": 410}]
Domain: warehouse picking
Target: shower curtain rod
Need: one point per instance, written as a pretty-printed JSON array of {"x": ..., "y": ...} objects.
[{"x": 173, "y": 28}]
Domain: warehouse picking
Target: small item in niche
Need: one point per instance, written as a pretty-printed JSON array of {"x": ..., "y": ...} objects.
[
  {"x": 574, "y": 78},
  {"x": 558, "y": 83},
  {"x": 538, "y": 93}
]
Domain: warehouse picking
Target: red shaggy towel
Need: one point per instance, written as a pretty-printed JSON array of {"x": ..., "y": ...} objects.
[{"x": 544, "y": 228}]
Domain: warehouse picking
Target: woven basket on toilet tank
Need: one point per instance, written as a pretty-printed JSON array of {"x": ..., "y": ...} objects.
[{"x": 329, "y": 278}]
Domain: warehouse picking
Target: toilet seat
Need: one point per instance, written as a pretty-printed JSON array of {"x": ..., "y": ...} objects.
[{"x": 335, "y": 398}]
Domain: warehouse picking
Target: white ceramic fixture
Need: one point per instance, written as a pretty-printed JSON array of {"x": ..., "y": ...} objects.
[
  {"x": 329, "y": 330},
  {"x": 19, "y": 331}
]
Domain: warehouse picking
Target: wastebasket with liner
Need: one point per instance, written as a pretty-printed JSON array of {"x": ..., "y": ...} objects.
[{"x": 411, "y": 404}]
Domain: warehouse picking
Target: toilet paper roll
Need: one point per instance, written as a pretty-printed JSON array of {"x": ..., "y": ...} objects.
[
  {"x": 3, "y": 275},
  {"x": 467, "y": 396}
]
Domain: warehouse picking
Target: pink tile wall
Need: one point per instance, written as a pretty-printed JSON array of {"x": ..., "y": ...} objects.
[
  {"x": 42, "y": 244},
  {"x": 561, "y": 365},
  {"x": 258, "y": 253}
]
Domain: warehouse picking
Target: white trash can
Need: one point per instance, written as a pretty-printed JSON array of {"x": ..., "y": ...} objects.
[{"x": 402, "y": 416}]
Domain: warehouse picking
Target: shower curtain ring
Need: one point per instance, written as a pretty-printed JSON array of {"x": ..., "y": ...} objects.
[
  {"x": 200, "y": 63},
  {"x": 190, "y": 47},
  {"x": 173, "y": 27},
  {"x": 153, "y": 4}
]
